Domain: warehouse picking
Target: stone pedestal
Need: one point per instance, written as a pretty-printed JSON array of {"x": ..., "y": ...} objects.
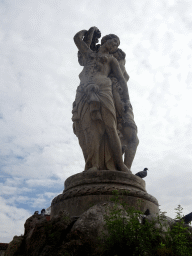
[{"x": 85, "y": 189}]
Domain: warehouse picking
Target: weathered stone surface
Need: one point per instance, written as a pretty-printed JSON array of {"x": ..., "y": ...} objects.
[
  {"x": 45, "y": 233},
  {"x": 73, "y": 236},
  {"x": 86, "y": 189},
  {"x": 15, "y": 245},
  {"x": 92, "y": 222},
  {"x": 104, "y": 177},
  {"x": 85, "y": 235},
  {"x": 49, "y": 238},
  {"x": 37, "y": 239},
  {"x": 30, "y": 225}
]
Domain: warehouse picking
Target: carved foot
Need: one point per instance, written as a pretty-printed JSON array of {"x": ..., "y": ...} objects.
[{"x": 124, "y": 168}]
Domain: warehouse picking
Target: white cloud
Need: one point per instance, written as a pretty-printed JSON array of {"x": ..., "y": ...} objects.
[{"x": 12, "y": 221}]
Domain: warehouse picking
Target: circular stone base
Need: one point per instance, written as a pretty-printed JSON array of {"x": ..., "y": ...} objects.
[{"x": 85, "y": 189}]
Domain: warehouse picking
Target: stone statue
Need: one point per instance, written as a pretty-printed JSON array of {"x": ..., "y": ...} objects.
[
  {"x": 104, "y": 123},
  {"x": 125, "y": 119},
  {"x": 102, "y": 114}
]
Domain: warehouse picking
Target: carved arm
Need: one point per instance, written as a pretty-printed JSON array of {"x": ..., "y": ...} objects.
[
  {"x": 81, "y": 45},
  {"x": 118, "y": 74},
  {"x": 89, "y": 35}
]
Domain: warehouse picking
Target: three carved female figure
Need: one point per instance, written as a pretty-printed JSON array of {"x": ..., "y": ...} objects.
[{"x": 102, "y": 114}]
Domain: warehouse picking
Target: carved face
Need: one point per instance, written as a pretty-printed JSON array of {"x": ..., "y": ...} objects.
[{"x": 112, "y": 44}]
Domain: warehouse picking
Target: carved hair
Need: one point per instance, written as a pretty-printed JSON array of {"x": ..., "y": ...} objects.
[
  {"x": 108, "y": 37},
  {"x": 119, "y": 54}
]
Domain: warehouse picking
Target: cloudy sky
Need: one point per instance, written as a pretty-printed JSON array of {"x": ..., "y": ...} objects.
[{"x": 38, "y": 80}]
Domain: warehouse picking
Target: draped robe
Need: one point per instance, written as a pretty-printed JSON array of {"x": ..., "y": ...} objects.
[{"x": 94, "y": 112}]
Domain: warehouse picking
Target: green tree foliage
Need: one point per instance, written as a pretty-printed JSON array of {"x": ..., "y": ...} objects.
[{"x": 130, "y": 235}]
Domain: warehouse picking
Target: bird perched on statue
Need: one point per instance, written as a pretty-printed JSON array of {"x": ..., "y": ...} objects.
[{"x": 142, "y": 174}]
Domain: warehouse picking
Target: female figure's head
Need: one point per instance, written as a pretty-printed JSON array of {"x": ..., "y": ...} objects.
[
  {"x": 119, "y": 55},
  {"x": 111, "y": 42}
]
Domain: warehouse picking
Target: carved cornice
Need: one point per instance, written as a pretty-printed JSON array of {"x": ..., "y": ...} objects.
[{"x": 103, "y": 190}]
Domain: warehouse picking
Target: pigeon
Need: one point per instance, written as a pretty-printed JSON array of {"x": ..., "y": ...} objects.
[
  {"x": 142, "y": 174},
  {"x": 187, "y": 218},
  {"x": 147, "y": 212}
]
